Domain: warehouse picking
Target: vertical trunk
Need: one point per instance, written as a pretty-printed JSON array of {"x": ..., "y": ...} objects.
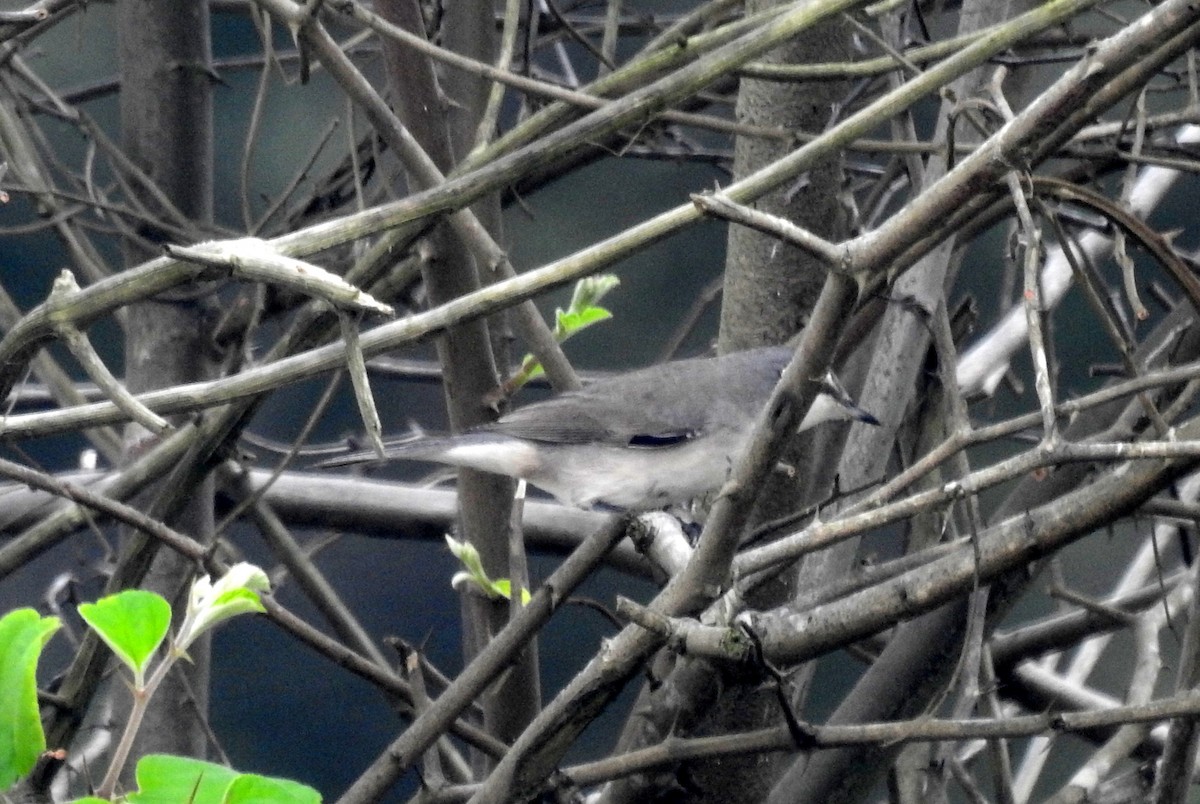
[
  {"x": 166, "y": 114},
  {"x": 470, "y": 29},
  {"x": 769, "y": 293},
  {"x": 770, "y": 288},
  {"x": 445, "y": 127}
]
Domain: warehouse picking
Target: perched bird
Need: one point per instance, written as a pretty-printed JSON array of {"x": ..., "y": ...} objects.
[{"x": 634, "y": 441}]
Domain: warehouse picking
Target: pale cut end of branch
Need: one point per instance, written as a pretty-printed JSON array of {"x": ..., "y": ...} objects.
[{"x": 255, "y": 259}]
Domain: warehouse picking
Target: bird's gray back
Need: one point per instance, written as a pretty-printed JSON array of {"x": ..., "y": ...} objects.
[{"x": 659, "y": 404}]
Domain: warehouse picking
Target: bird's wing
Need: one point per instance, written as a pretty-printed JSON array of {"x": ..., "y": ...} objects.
[
  {"x": 602, "y": 420},
  {"x": 630, "y": 409}
]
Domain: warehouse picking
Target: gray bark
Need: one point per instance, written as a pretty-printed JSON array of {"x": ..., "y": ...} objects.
[{"x": 166, "y": 126}]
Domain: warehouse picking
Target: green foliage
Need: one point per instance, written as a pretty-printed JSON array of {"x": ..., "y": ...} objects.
[
  {"x": 574, "y": 320},
  {"x": 23, "y": 633},
  {"x": 503, "y": 587},
  {"x": 475, "y": 574},
  {"x": 165, "y": 779},
  {"x": 583, "y": 311},
  {"x": 133, "y": 623},
  {"x": 209, "y": 604},
  {"x": 250, "y": 788}
]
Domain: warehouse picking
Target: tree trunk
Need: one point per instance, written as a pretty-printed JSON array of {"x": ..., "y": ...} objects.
[
  {"x": 769, "y": 291},
  {"x": 166, "y": 125},
  {"x": 445, "y": 126}
]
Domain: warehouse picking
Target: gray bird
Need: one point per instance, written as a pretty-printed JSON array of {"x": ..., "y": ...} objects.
[{"x": 634, "y": 441}]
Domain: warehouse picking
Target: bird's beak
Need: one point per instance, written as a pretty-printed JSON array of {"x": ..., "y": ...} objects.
[{"x": 832, "y": 386}]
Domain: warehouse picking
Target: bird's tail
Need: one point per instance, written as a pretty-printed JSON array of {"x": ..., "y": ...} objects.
[
  {"x": 487, "y": 452},
  {"x": 415, "y": 447}
]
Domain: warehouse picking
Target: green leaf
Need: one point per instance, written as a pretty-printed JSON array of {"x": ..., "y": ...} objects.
[
  {"x": 165, "y": 779},
  {"x": 212, "y": 603},
  {"x": 530, "y": 368},
  {"x": 133, "y": 623},
  {"x": 466, "y": 553},
  {"x": 503, "y": 588},
  {"x": 91, "y": 800},
  {"x": 572, "y": 321},
  {"x": 468, "y": 556},
  {"x": 579, "y": 315},
  {"x": 250, "y": 788},
  {"x": 591, "y": 289},
  {"x": 23, "y": 633}
]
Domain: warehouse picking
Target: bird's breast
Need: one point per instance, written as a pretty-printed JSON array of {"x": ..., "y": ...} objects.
[{"x": 637, "y": 478}]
